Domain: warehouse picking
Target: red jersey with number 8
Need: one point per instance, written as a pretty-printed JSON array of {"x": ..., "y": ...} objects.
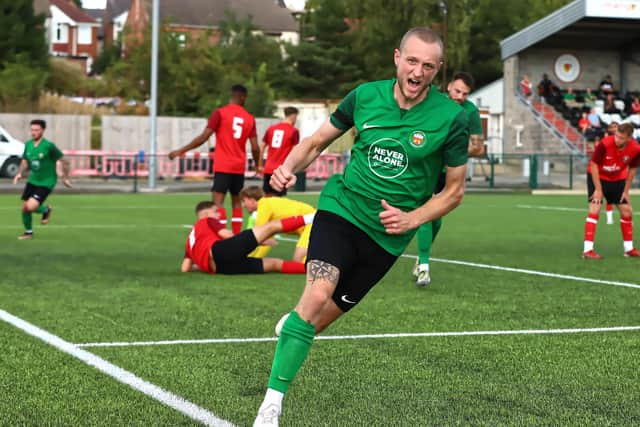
[
  {"x": 280, "y": 138},
  {"x": 233, "y": 125},
  {"x": 613, "y": 163}
]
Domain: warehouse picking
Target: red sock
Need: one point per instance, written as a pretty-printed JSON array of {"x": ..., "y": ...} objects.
[
  {"x": 609, "y": 207},
  {"x": 626, "y": 226},
  {"x": 293, "y": 267},
  {"x": 292, "y": 223},
  {"x": 590, "y": 227},
  {"x": 236, "y": 220},
  {"x": 223, "y": 216}
]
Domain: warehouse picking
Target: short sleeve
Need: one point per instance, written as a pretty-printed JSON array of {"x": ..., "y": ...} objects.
[
  {"x": 475, "y": 123},
  {"x": 342, "y": 118},
  {"x": 55, "y": 152},
  {"x": 635, "y": 162},
  {"x": 295, "y": 137},
  {"x": 214, "y": 225},
  {"x": 456, "y": 145},
  {"x": 214, "y": 120},
  {"x": 598, "y": 154},
  {"x": 253, "y": 133}
]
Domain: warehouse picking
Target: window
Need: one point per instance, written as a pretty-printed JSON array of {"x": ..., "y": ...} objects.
[
  {"x": 61, "y": 33},
  {"x": 84, "y": 34}
]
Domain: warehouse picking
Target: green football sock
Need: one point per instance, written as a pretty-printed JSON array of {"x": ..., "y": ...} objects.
[
  {"x": 42, "y": 209},
  {"x": 26, "y": 220},
  {"x": 426, "y": 236},
  {"x": 293, "y": 346}
]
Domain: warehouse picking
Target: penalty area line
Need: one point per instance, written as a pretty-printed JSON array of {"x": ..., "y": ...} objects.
[
  {"x": 366, "y": 336},
  {"x": 174, "y": 401}
]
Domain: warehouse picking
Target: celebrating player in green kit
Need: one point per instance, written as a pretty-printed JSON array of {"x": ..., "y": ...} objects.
[
  {"x": 40, "y": 156},
  {"x": 406, "y": 132},
  {"x": 458, "y": 90}
]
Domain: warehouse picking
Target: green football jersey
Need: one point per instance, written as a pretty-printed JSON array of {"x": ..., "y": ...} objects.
[
  {"x": 397, "y": 156},
  {"x": 42, "y": 162},
  {"x": 475, "y": 123}
]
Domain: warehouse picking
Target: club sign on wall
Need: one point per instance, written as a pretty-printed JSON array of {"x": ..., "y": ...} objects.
[{"x": 567, "y": 68}]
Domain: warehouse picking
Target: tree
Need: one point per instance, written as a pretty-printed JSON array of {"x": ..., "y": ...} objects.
[
  {"x": 22, "y": 33},
  {"x": 20, "y": 85}
]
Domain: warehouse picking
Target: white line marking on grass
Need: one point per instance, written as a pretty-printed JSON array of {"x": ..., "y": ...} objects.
[
  {"x": 557, "y": 208},
  {"x": 366, "y": 336},
  {"x": 176, "y": 402},
  {"x": 532, "y": 272},
  {"x": 514, "y": 270}
]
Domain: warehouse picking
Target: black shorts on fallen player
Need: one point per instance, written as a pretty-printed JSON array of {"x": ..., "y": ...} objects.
[{"x": 230, "y": 255}]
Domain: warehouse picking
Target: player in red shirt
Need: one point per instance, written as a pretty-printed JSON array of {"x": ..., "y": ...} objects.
[
  {"x": 233, "y": 125},
  {"x": 613, "y": 166},
  {"x": 278, "y": 141},
  {"x": 611, "y": 130},
  {"x": 214, "y": 249}
]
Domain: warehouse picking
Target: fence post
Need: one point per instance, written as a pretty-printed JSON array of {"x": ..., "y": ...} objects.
[
  {"x": 571, "y": 171},
  {"x": 533, "y": 172},
  {"x": 135, "y": 174},
  {"x": 492, "y": 167}
]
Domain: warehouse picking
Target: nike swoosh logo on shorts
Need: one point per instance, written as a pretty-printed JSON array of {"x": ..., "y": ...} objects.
[{"x": 345, "y": 299}]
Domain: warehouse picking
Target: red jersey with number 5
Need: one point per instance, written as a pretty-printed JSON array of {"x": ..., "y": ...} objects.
[
  {"x": 613, "y": 163},
  {"x": 280, "y": 139},
  {"x": 201, "y": 238},
  {"x": 233, "y": 125}
]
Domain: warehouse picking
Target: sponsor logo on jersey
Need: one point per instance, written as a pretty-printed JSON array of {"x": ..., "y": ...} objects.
[
  {"x": 625, "y": 159},
  {"x": 417, "y": 138},
  {"x": 387, "y": 158}
]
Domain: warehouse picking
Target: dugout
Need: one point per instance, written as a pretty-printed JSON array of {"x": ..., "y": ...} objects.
[{"x": 577, "y": 46}]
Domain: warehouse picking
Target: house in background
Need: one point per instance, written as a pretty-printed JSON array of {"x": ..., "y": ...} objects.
[
  {"x": 114, "y": 19},
  {"x": 72, "y": 33},
  {"x": 197, "y": 17}
]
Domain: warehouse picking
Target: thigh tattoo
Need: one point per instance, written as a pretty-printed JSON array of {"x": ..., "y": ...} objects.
[{"x": 322, "y": 270}]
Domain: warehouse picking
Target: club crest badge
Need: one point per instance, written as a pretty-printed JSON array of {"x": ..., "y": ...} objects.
[{"x": 418, "y": 138}]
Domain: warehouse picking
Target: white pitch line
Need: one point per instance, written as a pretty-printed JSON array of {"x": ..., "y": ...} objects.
[
  {"x": 532, "y": 272},
  {"x": 513, "y": 270},
  {"x": 366, "y": 336},
  {"x": 558, "y": 208},
  {"x": 176, "y": 402}
]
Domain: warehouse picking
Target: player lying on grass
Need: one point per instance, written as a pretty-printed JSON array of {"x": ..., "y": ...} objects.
[
  {"x": 272, "y": 208},
  {"x": 213, "y": 248}
]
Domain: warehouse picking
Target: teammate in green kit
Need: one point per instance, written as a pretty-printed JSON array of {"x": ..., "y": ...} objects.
[
  {"x": 406, "y": 132},
  {"x": 40, "y": 156},
  {"x": 458, "y": 89}
]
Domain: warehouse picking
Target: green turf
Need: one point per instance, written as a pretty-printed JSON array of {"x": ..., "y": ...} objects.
[{"x": 106, "y": 269}]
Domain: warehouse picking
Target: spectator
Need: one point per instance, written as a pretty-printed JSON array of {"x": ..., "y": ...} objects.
[
  {"x": 583, "y": 123},
  {"x": 525, "y": 87},
  {"x": 594, "y": 119},
  {"x": 545, "y": 87},
  {"x": 570, "y": 98},
  {"x": 589, "y": 98},
  {"x": 606, "y": 85},
  {"x": 635, "y": 105},
  {"x": 610, "y": 105}
]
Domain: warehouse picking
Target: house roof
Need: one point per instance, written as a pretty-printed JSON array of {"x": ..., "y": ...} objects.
[
  {"x": 117, "y": 7},
  {"x": 96, "y": 14},
  {"x": 72, "y": 11},
  {"x": 267, "y": 15},
  {"x": 606, "y": 25}
]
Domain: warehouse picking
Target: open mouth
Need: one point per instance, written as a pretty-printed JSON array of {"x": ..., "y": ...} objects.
[{"x": 413, "y": 84}]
